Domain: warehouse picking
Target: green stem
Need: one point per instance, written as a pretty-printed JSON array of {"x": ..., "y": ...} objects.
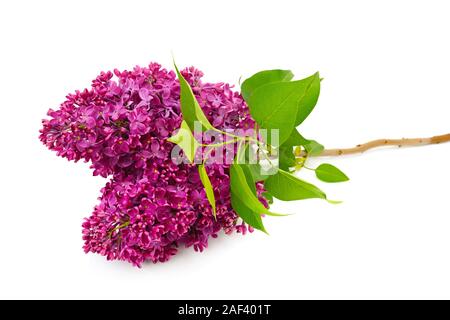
[
  {"x": 217, "y": 144},
  {"x": 233, "y": 135}
]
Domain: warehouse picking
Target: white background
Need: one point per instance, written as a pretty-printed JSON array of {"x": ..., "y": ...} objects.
[{"x": 387, "y": 74}]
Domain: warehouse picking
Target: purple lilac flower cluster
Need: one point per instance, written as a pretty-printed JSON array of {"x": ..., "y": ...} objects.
[{"x": 151, "y": 206}]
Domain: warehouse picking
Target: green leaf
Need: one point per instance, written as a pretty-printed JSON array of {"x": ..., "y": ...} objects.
[
  {"x": 286, "y": 157},
  {"x": 243, "y": 197},
  {"x": 309, "y": 99},
  {"x": 287, "y": 187},
  {"x": 329, "y": 173},
  {"x": 286, "y": 153},
  {"x": 208, "y": 187},
  {"x": 264, "y": 77},
  {"x": 295, "y": 139},
  {"x": 185, "y": 139},
  {"x": 269, "y": 213},
  {"x": 190, "y": 108},
  {"x": 250, "y": 211},
  {"x": 312, "y": 146},
  {"x": 276, "y": 105},
  {"x": 256, "y": 171},
  {"x": 254, "y": 168},
  {"x": 240, "y": 187},
  {"x": 249, "y": 216},
  {"x": 249, "y": 178}
]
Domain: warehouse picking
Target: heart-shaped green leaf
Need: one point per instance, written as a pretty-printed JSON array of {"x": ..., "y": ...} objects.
[
  {"x": 309, "y": 98},
  {"x": 329, "y": 173},
  {"x": 264, "y": 77},
  {"x": 295, "y": 139},
  {"x": 276, "y": 105},
  {"x": 208, "y": 187}
]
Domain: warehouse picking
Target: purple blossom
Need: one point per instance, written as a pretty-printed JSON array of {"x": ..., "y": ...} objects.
[{"x": 151, "y": 206}]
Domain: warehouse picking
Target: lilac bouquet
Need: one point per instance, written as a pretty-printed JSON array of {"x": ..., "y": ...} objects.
[
  {"x": 150, "y": 206},
  {"x": 128, "y": 125}
]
